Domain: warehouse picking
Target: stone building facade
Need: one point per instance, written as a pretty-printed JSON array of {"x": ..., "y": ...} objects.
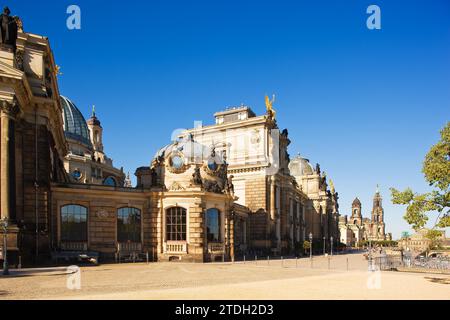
[
  {"x": 357, "y": 229},
  {"x": 215, "y": 192}
]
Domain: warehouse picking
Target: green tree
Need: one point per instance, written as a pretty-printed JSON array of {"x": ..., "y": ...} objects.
[
  {"x": 435, "y": 237},
  {"x": 436, "y": 169}
]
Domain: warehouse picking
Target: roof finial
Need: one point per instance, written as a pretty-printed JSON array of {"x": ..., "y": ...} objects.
[
  {"x": 378, "y": 188},
  {"x": 93, "y": 111}
]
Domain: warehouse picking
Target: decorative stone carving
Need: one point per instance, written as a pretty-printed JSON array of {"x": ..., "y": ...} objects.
[
  {"x": 102, "y": 214},
  {"x": 230, "y": 184},
  {"x": 18, "y": 58},
  {"x": 19, "y": 24},
  {"x": 212, "y": 186},
  {"x": 176, "y": 163},
  {"x": 10, "y": 108},
  {"x": 196, "y": 177},
  {"x": 176, "y": 187},
  {"x": 255, "y": 138}
]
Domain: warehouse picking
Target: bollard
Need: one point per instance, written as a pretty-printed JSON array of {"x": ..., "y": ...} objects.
[
  {"x": 153, "y": 253},
  {"x": 296, "y": 262},
  {"x": 146, "y": 256},
  {"x": 20, "y": 263},
  {"x": 328, "y": 263},
  {"x": 311, "y": 262},
  {"x": 268, "y": 260},
  {"x": 223, "y": 258},
  {"x": 244, "y": 258},
  {"x": 282, "y": 262},
  {"x": 347, "y": 264},
  {"x": 256, "y": 260}
]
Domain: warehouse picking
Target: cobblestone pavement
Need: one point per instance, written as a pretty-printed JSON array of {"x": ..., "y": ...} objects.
[{"x": 262, "y": 279}]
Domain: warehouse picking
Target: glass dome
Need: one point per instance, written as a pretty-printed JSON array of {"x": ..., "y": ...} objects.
[
  {"x": 75, "y": 126},
  {"x": 300, "y": 167}
]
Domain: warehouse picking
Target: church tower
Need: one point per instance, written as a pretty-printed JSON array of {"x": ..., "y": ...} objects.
[
  {"x": 356, "y": 217},
  {"x": 377, "y": 210},
  {"x": 96, "y": 135}
]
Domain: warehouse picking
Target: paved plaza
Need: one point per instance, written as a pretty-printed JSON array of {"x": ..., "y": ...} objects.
[{"x": 342, "y": 277}]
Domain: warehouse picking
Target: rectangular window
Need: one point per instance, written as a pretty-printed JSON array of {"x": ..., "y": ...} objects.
[{"x": 176, "y": 224}]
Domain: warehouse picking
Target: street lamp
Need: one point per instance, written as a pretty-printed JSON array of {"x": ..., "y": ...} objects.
[
  {"x": 5, "y": 247},
  {"x": 324, "y": 246},
  {"x": 331, "y": 241},
  {"x": 310, "y": 244}
]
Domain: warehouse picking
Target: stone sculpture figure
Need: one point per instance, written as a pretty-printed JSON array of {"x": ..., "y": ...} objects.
[
  {"x": 154, "y": 175},
  {"x": 230, "y": 184},
  {"x": 8, "y": 26},
  {"x": 196, "y": 177}
]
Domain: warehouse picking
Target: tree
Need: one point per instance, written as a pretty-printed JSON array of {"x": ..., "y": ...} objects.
[
  {"x": 436, "y": 168},
  {"x": 435, "y": 237}
]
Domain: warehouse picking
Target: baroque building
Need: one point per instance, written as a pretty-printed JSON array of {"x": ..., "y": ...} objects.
[
  {"x": 86, "y": 161},
  {"x": 357, "y": 228},
  {"x": 215, "y": 192}
]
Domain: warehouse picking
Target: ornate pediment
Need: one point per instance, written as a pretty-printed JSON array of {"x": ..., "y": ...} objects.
[{"x": 9, "y": 71}]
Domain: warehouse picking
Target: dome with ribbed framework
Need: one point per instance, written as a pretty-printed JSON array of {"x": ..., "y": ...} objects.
[
  {"x": 300, "y": 166},
  {"x": 75, "y": 126}
]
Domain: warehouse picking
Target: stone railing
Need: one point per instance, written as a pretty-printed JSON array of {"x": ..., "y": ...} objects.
[
  {"x": 216, "y": 247},
  {"x": 126, "y": 247},
  {"x": 175, "y": 247},
  {"x": 74, "y": 246}
]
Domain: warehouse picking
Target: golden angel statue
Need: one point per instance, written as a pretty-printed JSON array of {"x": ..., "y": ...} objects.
[{"x": 270, "y": 111}]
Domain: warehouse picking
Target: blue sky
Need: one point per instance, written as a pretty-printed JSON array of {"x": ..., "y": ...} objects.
[{"x": 365, "y": 104}]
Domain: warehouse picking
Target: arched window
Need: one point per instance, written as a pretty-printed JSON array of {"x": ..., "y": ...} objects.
[
  {"x": 129, "y": 225},
  {"x": 110, "y": 181},
  {"x": 176, "y": 224},
  {"x": 73, "y": 223},
  {"x": 213, "y": 225}
]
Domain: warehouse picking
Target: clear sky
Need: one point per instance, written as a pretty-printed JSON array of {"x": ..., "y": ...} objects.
[{"x": 365, "y": 104}]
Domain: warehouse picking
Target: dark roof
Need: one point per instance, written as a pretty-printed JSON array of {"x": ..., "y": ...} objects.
[
  {"x": 356, "y": 202},
  {"x": 75, "y": 126}
]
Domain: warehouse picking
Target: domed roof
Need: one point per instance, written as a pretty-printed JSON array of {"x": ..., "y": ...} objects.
[
  {"x": 300, "y": 167},
  {"x": 356, "y": 202},
  {"x": 189, "y": 148},
  {"x": 75, "y": 126}
]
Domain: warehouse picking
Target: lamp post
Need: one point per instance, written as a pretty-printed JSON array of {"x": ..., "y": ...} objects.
[
  {"x": 331, "y": 241},
  {"x": 324, "y": 245},
  {"x": 5, "y": 247},
  {"x": 310, "y": 244}
]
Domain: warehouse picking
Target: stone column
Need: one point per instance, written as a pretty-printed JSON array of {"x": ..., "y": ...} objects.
[
  {"x": 232, "y": 219},
  {"x": 7, "y": 151},
  {"x": 272, "y": 199}
]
